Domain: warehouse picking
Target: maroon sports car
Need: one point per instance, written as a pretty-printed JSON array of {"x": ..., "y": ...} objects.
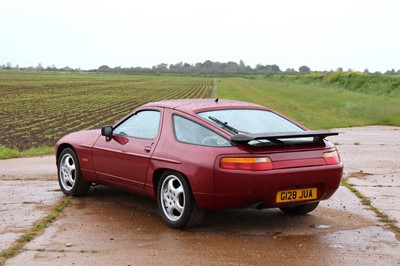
[{"x": 198, "y": 154}]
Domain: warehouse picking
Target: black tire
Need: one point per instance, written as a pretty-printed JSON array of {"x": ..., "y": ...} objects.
[
  {"x": 175, "y": 201},
  {"x": 300, "y": 209},
  {"x": 69, "y": 174}
]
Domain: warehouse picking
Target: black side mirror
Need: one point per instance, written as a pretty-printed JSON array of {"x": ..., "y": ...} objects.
[{"x": 107, "y": 131}]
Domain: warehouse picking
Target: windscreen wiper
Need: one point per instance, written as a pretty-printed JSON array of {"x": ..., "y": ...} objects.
[{"x": 225, "y": 125}]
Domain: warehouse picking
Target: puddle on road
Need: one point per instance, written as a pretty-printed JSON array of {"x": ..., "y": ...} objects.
[{"x": 320, "y": 226}]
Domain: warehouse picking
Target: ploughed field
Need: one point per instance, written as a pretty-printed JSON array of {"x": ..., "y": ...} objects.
[{"x": 36, "y": 109}]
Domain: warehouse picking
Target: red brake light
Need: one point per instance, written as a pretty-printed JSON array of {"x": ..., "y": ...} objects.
[
  {"x": 245, "y": 163},
  {"x": 331, "y": 157}
]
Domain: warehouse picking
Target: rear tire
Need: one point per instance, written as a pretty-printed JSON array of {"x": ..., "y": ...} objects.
[
  {"x": 300, "y": 209},
  {"x": 176, "y": 203},
  {"x": 70, "y": 178}
]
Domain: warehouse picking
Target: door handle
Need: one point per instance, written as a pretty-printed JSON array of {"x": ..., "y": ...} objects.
[{"x": 147, "y": 148}]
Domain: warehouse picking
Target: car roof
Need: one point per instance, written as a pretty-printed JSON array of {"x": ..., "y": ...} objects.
[{"x": 198, "y": 105}]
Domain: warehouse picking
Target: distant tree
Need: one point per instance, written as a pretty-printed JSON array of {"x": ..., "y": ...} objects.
[
  {"x": 208, "y": 64},
  {"x": 49, "y": 68},
  {"x": 162, "y": 66},
  {"x": 290, "y": 71},
  {"x": 104, "y": 68},
  {"x": 390, "y": 72},
  {"x": 242, "y": 65},
  {"x": 304, "y": 69},
  {"x": 66, "y": 69},
  {"x": 366, "y": 71},
  {"x": 275, "y": 69},
  {"x": 230, "y": 68},
  {"x": 39, "y": 67},
  {"x": 260, "y": 67}
]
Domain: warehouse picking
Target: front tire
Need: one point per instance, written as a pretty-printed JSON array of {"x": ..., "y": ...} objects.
[
  {"x": 300, "y": 209},
  {"x": 70, "y": 178},
  {"x": 175, "y": 201}
]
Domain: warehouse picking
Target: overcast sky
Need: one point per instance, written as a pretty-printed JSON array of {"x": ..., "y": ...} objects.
[{"x": 86, "y": 34}]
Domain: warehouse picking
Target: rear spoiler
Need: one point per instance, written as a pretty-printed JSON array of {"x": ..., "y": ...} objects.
[{"x": 275, "y": 137}]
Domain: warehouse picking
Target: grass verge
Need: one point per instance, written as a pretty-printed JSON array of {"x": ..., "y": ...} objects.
[
  {"x": 7, "y": 153},
  {"x": 314, "y": 105},
  {"x": 367, "y": 202},
  {"x": 17, "y": 246}
]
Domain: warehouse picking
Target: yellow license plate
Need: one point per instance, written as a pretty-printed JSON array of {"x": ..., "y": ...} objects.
[{"x": 296, "y": 195}]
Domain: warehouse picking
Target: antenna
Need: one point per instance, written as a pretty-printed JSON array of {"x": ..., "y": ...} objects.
[{"x": 216, "y": 100}]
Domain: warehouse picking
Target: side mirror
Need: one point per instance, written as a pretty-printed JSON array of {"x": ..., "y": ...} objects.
[{"x": 107, "y": 131}]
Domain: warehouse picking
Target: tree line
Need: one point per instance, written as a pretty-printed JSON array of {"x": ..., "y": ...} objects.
[{"x": 208, "y": 67}]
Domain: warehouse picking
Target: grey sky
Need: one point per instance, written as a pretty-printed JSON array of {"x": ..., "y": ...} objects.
[{"x": 86, "y": 34}]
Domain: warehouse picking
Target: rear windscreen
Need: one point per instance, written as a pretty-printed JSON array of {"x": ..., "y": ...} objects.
[{"x": 252, "y": 120}]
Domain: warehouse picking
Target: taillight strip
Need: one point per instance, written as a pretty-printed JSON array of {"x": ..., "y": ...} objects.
[
  {"x": 331, "y": 157},
  {"x": 246, "y": 163}
]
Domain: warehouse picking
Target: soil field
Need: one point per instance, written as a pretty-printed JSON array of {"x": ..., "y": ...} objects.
[{"x": 36, "y": 109}]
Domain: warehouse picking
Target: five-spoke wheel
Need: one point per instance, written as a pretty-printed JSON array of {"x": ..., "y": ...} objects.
[
  {"x": 175, "y": 201},
  {"x": 69, "y": 174},
  {"x": 173, "y": 197}
]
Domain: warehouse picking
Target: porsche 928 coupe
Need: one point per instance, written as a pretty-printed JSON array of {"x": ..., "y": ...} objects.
[{"x": 193, "y": 155}]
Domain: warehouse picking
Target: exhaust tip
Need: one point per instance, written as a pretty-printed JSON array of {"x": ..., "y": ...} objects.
[{"x": 258, "y": 205}]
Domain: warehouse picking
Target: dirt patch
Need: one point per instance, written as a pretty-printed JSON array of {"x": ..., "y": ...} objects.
[{"x": 360, "y": 175}]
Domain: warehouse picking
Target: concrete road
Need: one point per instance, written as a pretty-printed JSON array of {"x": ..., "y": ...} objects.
[{"x": 109, "y": 227}]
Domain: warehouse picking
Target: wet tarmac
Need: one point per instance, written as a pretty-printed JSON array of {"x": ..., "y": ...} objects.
[{"x": 109, "y": 227}]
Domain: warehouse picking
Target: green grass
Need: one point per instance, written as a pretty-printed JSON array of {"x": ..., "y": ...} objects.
[
  {"x": 315, "y": 106},
  {"x": 382, "y": 85},
  {"x": 7, "y": 153},
  {"x": 17, "y": 246},
  {"x": 367, "y": 202}
]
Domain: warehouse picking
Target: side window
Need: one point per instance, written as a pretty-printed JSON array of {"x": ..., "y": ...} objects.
[
  {"x": 143, "y": 124},
  {"x": 188, "y": 131}
]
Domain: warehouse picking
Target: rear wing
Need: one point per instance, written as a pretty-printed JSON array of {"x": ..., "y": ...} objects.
[{"x": 319, "y": 135}]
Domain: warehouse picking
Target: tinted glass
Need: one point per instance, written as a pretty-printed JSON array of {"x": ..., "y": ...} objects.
[
  {"x": 143, "y": 125},
  {"x": 190, "y": 132},
  {"x": 252, "y": 121}
]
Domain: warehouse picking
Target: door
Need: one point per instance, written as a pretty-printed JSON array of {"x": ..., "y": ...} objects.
[{"x": 123, "y": 159}]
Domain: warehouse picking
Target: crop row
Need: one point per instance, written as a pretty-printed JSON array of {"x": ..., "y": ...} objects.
[{"x": 37, "y": 109}]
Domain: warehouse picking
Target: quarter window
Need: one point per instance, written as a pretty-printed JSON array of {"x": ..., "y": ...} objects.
[{"x": 188, "y": 131}]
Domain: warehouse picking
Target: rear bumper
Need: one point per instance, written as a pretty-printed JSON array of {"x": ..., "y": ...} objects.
[{"x": 240, "y": 190}]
